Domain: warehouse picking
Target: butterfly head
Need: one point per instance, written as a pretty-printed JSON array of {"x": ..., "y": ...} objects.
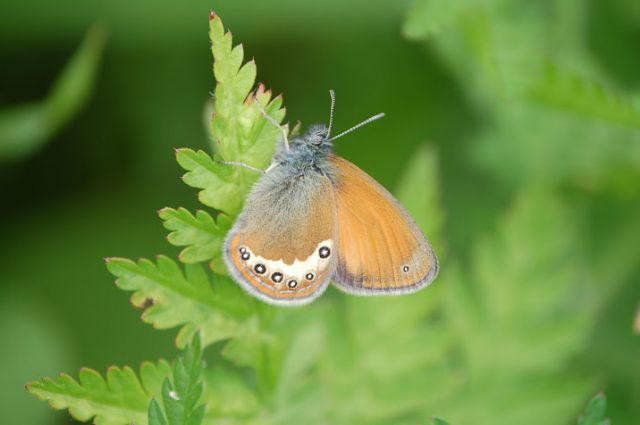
[
  {"x": 317, "y": 135},
  {"x": 311, "y": 149},
  {"x": 313, "y": 144}
]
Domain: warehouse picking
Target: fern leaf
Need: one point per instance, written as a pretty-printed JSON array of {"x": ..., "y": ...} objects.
[
  {"x": 581, "y": 95},
  {"x": 181, "y": 395},
  {"x": 120, "y": 399},
  {"x": 518, "y": 318},
  {"x": 200, "y": 234},
  {"x": 239, "y": 130},
  {"x": 527, "y": 54},
  {"x": 173, "y": 298}
]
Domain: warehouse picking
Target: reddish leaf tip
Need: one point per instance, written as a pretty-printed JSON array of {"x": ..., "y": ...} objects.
[{"x": 212, "y": 15}]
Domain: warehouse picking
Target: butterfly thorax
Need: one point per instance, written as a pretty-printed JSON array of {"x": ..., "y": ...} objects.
[{"x": 307, "y": 154}]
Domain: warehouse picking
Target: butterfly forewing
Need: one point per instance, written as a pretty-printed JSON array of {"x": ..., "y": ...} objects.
[
  {"x": 380, "y": 248},
  {"x": 282, "y": 248}
]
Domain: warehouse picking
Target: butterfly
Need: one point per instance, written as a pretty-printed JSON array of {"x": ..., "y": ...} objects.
[{"x": 314, "y": 217}]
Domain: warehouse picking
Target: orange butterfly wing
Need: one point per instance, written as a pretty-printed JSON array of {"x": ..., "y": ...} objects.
[
  {"x": 381, "y": 250},
  {"x": 282, "y": 248}
]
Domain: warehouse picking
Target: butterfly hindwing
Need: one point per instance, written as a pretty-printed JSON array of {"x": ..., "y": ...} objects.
[
  {"x": 282, "y": 248},
  {"x": 381, "y": 250}
]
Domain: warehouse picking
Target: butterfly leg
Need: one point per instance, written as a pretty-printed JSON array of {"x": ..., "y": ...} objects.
[{"x": 242, "y": 164}]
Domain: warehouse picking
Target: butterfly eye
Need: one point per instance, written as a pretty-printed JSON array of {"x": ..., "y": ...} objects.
[
  {"x": 277, "y": 277},
  {"x": 260, "y": 268},
  {"x": 309, "y": 276},
  {"x": 324, "y": 252},
  {"x": 405, "y": 269},
  {"x": 292, "y": 284}
]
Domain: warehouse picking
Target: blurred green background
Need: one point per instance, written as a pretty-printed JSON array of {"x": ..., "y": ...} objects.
[{"x": 547, "y": 98}]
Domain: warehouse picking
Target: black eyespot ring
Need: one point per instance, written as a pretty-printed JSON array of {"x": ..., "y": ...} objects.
[
  {"x": 309, "y": 276},
  {"x": 242, "y": 250},
  {"x": 324, "y": 252},
  {"x": 405, "y": 269},
  {"x": 277, "y": 277},
  {"x": 260, "y": 268},
  {"x": 292, "y": 283},
  {"x": 245, "y": 256}
]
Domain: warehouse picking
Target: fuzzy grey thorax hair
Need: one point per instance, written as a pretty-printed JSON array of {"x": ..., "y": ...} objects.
[{"x": 307, "y": 153}]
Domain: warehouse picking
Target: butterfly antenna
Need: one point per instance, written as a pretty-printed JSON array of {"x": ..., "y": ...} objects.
[
  {"x": 357, "y": 126},
  {"x": 272, "y": 121},
  {"x": 332, "y": 93}
]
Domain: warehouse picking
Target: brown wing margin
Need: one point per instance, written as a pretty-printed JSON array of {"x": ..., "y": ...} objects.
[{"x": 381, "y": 250}]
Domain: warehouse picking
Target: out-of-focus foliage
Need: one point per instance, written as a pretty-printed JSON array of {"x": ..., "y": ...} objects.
[
  {"x": 528, "y": 189},
  {"x": 25, "y": 128},
  {"x": 553, "y": 116},
  {"x": 594, "y": 413}
]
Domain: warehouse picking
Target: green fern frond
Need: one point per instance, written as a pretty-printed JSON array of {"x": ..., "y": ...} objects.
[
  {"x": 240, "y": 132},
  {"x": 517, "y": 61},
  {"x": 181, "y": 395},
  {"x": 578, "y": 94},
  {"x": 120, "y": 399},
  {"x": 518, "y": 319},
  {"x": 173, "y": 298},
  {"x": 200, "y": 234}
]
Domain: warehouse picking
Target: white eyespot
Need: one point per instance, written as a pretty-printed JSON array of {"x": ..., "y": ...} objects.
[
  {"x": 292, "y": 283},
  {"x": 309, "y": 276},
  {"x": 405, "y": 269},
  {"x": 277, "y": 277}
]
